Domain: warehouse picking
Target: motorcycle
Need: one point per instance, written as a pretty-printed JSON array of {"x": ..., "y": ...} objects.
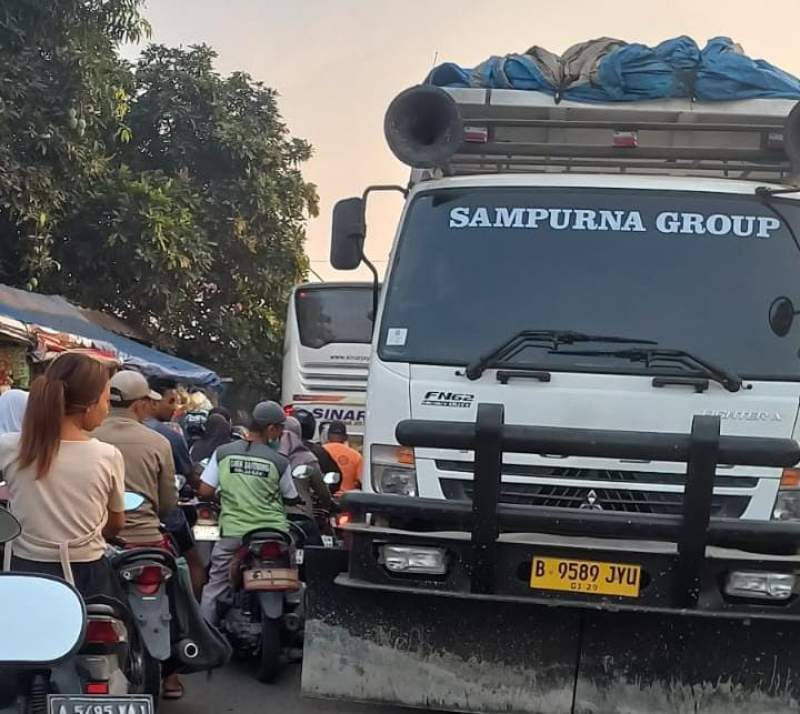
[
  {"x": 326, "y": 517},
  {"x": 264, "y": 616},
  {"x": 44, "y": 624},
  {"x": 206, "y": 528},
  {"x": 113, "y": 658},
  {"x": 143, "y": 574}
]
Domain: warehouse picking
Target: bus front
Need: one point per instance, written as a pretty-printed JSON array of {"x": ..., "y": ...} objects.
[{"x": 326, "y": 353}]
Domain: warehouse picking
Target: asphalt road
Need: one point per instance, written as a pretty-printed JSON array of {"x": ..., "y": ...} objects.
[{"x": 234, "y": 689}]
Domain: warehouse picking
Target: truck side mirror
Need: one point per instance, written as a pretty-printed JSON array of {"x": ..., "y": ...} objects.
[{"x": 347, "y": 235}]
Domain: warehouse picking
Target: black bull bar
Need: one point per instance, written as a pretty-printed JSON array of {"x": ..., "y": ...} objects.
[{"x": 480, "y": 638}]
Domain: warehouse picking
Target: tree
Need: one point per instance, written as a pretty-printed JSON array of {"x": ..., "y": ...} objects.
[
  {"x": 164, "y": 193},
  {"x": 63, "y": 98},
  {"x": 203, "y": 226}
]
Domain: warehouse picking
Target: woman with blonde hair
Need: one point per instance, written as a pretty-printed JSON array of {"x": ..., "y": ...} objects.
[{"x": 66, "y": 489}]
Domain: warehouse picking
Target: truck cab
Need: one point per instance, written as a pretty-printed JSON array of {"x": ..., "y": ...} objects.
[{"x": 592, "y": 267}]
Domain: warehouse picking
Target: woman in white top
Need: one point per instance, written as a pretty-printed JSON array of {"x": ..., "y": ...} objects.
[{"x": 66, "y": 489}]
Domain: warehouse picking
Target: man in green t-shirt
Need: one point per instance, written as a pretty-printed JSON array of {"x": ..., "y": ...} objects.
[{"x": 253, "y": 481}]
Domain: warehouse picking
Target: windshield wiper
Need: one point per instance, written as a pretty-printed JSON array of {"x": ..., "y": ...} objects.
[
  {"x": 549, "y": 338},
  {"x": 730, "y": 380}
]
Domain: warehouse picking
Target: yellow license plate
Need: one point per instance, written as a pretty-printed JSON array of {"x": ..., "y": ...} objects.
[{"x": 586, "y": 576}]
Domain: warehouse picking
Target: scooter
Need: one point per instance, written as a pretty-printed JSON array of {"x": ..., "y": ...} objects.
[
  {"x": 326, "y": 517},
  {"x": 206, "y": 528},
  {"x": 143, "y": 574},
  {"x": 113, "y": 658},
  {"x": 264, "y": 616},
  {"x": 44, "y": 623}
]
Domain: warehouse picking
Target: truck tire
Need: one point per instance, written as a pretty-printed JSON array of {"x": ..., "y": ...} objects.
[{"x": 270, "y": 658}]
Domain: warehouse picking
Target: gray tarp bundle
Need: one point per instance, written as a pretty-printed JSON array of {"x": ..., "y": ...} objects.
[{"x": 609, "y": 70}]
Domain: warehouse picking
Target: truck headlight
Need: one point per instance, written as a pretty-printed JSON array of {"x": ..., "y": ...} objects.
[
  {"x": 787, "y": 502},
  {"x": 393, "y": 470},
  {"x": 760, "y": 585},
  {"x": 413, "y": 559}
]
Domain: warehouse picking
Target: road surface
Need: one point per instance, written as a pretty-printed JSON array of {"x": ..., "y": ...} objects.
[{"x": 233, "y": 689}]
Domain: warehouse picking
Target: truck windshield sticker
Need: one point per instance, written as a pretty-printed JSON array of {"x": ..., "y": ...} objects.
[
  {"x": 396, "y": 336},
  {"x": 579, "y": 219}
]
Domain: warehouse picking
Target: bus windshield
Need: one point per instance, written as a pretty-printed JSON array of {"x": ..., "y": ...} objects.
[
  {"x": 695, "y": 271},
  {"x": 334, "y": 314}
]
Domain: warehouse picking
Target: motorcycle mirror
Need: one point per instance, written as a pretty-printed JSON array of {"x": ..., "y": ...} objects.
[
  {"x": 9, "y": 526},
  {"x": 43, "y": 619},
  {"x": 332, "y": 478},
  {"x": 781, "y": 315},
  {"x": 133, "y": 501},
  {"x": 301, "y": 472}
]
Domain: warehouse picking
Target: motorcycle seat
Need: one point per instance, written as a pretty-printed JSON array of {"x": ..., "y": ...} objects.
[
  {"x": 266, "y": 534},
  {"x": 106, "y": 605}
]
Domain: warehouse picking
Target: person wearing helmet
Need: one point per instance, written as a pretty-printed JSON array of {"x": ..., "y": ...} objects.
[
  {"x": 308, "y": 425},
  {"x": 253, "y": 481}
]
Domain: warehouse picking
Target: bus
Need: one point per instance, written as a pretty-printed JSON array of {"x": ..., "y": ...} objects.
[{"x": 326, "y": 354}]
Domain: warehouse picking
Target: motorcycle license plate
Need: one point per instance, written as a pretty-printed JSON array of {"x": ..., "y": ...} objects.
[
  {"x": 327, "y": 541},
  {"x": 99, "y": 704},
  {"x": 586, "y": 576},
  {"x": 298, "y": 556},
  {"x": 205, "y": 532}
]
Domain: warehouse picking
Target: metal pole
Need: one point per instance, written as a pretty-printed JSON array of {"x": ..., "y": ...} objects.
[
  {"x": 485, "y": 494},
  {"x": 701, "y": 468}
]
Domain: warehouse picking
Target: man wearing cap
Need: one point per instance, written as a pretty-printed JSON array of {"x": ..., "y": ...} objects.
[
  {"x": 347, "y": 458},
  {"x": 149, "y": 467},
  {"x": 253, "y": 480}
]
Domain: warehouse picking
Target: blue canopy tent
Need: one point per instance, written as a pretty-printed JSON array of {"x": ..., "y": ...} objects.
[{"x": 57, "y": 313}]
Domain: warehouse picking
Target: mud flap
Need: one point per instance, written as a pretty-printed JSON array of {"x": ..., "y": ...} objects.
[
  {"x": 153, "y": 618},
  {"x": 271, "y": 603},
  {"x": 436, "y": 651}
]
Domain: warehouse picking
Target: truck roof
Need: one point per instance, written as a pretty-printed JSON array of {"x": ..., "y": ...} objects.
[
  {"x": 622, "y": 181},
  {"x": 516, "y": 131}
]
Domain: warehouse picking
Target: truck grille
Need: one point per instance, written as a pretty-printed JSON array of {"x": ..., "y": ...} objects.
[
  {"x": 608, "y": 475},
  {"x": 607, "y": 498}
]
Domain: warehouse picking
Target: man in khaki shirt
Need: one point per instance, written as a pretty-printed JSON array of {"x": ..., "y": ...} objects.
[{"x": 149, "y": 466}]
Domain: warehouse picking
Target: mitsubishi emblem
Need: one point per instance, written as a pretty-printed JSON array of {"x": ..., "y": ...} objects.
[{"x": 591, "y": 504}]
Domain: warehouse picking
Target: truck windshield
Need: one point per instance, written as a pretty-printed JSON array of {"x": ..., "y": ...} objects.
[
  {"x": 688, "y": 270},
  {"x": 334, "y": 314}
]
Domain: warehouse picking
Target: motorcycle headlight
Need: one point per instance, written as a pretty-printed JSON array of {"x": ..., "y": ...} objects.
[
  {"x": 393, "y": 470},
  {"x": 787, "y": 502}
]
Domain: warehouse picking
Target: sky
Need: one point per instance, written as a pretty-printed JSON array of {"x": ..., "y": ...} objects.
[{"x": 338, "y": 63}]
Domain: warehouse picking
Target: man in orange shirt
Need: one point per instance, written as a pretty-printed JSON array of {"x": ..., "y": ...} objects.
[{"x": 349, "y": 459}]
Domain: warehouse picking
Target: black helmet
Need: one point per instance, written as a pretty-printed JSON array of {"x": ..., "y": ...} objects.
[
  {"x": 308, "y": 424},
  {"x": 267, "y": 413}
]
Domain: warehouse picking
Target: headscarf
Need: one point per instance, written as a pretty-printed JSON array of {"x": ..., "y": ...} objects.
[
  {"x": 12, "y": 410},
  {"x": 217, "y": 433},
  {"x": 292, "y": 446}
]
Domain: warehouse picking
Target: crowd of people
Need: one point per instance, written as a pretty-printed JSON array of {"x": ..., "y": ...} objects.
[{"x": 82, "y": 437}]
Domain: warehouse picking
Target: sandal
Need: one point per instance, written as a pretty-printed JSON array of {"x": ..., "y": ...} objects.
[{"x": 173, "y": 693}]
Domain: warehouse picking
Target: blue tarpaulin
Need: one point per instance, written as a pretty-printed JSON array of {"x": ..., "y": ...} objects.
[
  {"x": 57, "y": 313},
  {"x": 607, "y": 70}
]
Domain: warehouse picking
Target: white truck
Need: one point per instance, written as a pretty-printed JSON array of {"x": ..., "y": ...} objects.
[
  {"x": 588, "y": 266},
  {"x": 582, "y": 416},
  {"x": 326, "y": 353}
]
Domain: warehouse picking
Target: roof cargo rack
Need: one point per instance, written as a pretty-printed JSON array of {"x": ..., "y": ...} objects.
[{"x": 526, "y": 131}]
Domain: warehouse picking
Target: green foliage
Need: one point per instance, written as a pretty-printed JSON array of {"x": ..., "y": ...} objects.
[
  {"x": 63, "y": 92},
  {"x": 164, "y": 193}
]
